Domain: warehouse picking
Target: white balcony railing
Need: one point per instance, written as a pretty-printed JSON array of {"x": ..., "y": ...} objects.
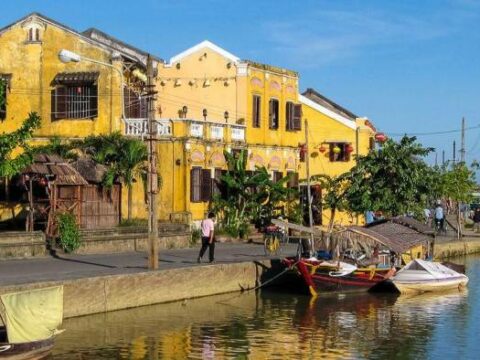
[
  {"x": 216, "y": 132},
  {"x": 139, "y": 127},
  {"x": 196, "y": 129},
  {"x": 238, "y": 133}
]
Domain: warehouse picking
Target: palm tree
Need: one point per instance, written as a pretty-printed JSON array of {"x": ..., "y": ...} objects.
[{"x": 125, "y": 158}]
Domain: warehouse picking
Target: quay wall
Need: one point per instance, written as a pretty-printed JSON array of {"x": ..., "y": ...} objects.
[
  {"x": 465, "y": 246},
  {"x": 92, "y": 295}
]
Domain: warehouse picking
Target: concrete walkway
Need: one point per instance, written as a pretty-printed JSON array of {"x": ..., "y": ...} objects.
[{"x": 68, "y": 267}]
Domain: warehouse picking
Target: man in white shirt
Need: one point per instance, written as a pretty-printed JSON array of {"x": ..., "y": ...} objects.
[{"x": 208, "y": 240}]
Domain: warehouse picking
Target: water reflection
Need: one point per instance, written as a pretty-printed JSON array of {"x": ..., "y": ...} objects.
[{"x": 270, "y": 325}]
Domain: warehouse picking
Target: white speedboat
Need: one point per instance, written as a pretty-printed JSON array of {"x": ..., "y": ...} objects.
[{"x": 420, "y": 276}]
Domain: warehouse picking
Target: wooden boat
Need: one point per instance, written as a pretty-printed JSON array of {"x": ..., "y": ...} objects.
[
  {"x": 31, "y": 320},
  {"x": 326, "y": 276},
  {"x": 420, "y": 276}
]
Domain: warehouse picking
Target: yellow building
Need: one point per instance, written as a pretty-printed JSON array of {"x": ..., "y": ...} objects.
[
  {"x": 210, "y": 101},
  {"x": 79, "y": 96},
  {"x": 336, "y": 137}
]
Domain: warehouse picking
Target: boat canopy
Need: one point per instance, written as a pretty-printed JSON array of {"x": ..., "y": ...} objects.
[
  {"x": 32, "y": 315},
  {"x": 433, "y": 268}
]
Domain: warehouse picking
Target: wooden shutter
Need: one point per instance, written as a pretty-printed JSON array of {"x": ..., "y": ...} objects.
[
  {"x": 292, "y": 179},
  {"x": 195, "y": 184},
  {"x": 346, "y": 154},
  {"x": 297, "y": 117},
  {"x": 206, "y": 185},
  {"x": 3, "y": 101},
  {"x": 93, "y": 113},
  {"x": 270, "y": 113},
  {"x": 255, "y": 111},
  {"x": 331, "y": 153}
]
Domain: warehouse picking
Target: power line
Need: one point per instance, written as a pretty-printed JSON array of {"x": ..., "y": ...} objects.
[{"x": 434, "y": 132}]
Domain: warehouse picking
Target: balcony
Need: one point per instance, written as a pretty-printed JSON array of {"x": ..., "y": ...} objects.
[
  {"x": 139, "y": 127},
  {"x": 238, "y": 133}
]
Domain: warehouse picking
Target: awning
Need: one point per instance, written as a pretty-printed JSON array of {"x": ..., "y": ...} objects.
[{"x": 76, "y": 78}]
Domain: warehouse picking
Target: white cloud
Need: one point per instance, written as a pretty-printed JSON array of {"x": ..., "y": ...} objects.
[{"x": 330, "y": 35}]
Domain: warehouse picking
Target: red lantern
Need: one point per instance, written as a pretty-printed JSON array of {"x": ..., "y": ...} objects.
[
  {"x": 303, "y": 151},
  {"x": 380, "y": 137},
  {"x": 349, "y": 148},
  {"x": 322, "y": 149}
]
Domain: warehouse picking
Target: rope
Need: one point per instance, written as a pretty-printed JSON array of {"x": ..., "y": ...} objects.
[{"x": 244, "y": 291}]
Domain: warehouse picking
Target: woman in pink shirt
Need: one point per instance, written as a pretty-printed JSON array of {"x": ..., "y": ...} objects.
[{"x": 208, "y": 240}]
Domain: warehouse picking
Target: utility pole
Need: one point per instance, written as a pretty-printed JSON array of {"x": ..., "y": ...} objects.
[
  {"x": 454, "y": 152},
  {"x": 309, "y": 191},
  {"x": 443, "y": 157},
  {"x": 436, "y": 158},
  {"x": 462, "y": 150},
  {"x": 152, "y": 180}
]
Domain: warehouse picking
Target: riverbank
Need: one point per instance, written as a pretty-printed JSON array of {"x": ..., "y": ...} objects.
[
  {"x": 445, "y": 249},
  {"x": 102, "y": 283}
]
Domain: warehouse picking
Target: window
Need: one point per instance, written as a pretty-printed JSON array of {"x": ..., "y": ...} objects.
[
  {"x": 339, "y": 152},
  {"x": 273, "y": 110},
  {"x": 135, "y": 105},
  {"x": 3, "y": 97},
  {"x": 75, "y": 96},
  {"x": 200, "y": 185},
  {"x": 33, "y": 34},
  {"x": 256, "y": 111},
  {"x": 293, "y": 116},
  {"x": 277, "y": 176}
]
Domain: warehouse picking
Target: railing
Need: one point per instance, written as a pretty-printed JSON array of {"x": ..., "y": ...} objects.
[
  {"x": 139, "y": 127},
  {"x": 238, "y": 133},
  {"x": 196, "y": 129},
  {"x": 216, "y": 132}
]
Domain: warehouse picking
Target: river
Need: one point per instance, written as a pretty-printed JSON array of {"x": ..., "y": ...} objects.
[{"x": 275, "y": 325}]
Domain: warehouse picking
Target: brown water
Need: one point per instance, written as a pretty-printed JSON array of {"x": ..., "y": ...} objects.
[{"x": 272, "y": 325}]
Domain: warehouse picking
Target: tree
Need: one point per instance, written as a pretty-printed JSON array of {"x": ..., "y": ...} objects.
[
  {"x": 124, "y": 157},
  {"x": 393, "y": 179},
  {"x": 57, "y": 146},
  {"x": 10, "y": 143},
  {"x": 247, "y": 196},
  {"x": 335, "y": 188}
]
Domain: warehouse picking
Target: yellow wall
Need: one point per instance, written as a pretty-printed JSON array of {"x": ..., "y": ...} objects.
[{"x": 33, "y": 67}]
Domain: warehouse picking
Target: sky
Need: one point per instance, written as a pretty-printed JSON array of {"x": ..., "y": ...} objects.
[{"x": 410, "y": 66}]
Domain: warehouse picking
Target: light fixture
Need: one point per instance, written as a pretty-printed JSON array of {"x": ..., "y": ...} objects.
[
  {"x": 184, "y": 111},
  {"x": 206, "y": 83},
  {"x": 178, "y": 82},
  {"x": 192, "y": 82},
  {"x": 67, "y": 56},
  {"x": 204, "y": 113},
  {"x": 226, "y": 83},
  {"x": 225, "y": 115},
  {"x": 187, "y": 146},
  {"x": 336, "y": 149},
  {"x": 322, "y": 149}
]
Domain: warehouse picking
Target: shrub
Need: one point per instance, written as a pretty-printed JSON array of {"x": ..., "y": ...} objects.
[
  {"x": 68, "y": 232},
  {"x": 196, "y": 235}
]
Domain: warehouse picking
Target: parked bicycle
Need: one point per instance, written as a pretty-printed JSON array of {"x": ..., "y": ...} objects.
[{"x": 274, "y": 238}]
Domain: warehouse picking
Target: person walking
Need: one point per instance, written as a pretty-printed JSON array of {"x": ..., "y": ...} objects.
[
  {"x": 439, "y": 217},
  {"x": 208, "y": 239},
  {"x": 476, "y": 220}
]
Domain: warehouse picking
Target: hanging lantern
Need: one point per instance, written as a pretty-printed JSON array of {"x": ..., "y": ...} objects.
[
  {"x": 349, "y": 148},
  {"x": 380, "y": 137},
  {"x": 336, "y": 149},
  {"x": 302, "y": 151},
  {"x": 322, "y": 149}
]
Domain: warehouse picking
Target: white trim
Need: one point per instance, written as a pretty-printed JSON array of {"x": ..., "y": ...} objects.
[
  {"x": 331, "y": 114},
  {"x": 204, "y": 44}
]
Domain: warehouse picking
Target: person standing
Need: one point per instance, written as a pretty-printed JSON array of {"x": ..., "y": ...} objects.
[
  {"x": 208, "y": 239},
  {"x": 476, "y": 220}
]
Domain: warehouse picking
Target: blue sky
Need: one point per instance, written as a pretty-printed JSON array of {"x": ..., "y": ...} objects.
[{"x": 409, "y": 66}]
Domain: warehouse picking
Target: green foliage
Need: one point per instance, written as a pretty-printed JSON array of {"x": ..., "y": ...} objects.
[
  {"x": 247, "y": 196},
  {"x": 124, "y": 157},
  {"x": 196, "y": 236},
  {"x": 9, "y": 142},
  {"x": 393, "y": 179},
  {"x": 456, "y": 182},
  {"x": 58, "y": 147},
  {"x": 68, "y": 232}
]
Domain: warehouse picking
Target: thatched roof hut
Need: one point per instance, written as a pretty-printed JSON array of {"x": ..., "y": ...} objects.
[
  {"x": 56, "y": 169},
  {"x": 90, "y": 170}
]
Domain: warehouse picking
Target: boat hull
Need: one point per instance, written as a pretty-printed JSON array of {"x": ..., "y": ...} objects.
[
  {"x": 34, "y": 350},
  {"x": 417, "y": 287},
  {"x": 357, "y": 281}
]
